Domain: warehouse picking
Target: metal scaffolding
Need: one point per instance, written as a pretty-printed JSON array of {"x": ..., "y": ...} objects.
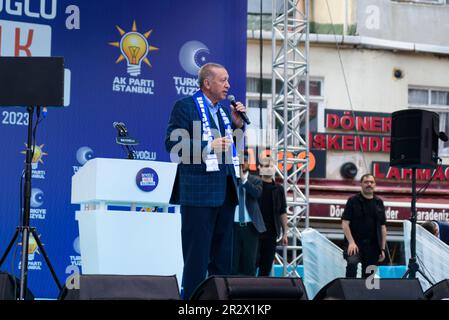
[{"x": 289, "y": 116}]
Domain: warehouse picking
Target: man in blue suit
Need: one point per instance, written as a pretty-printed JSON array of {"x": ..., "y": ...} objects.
[{"x": 200, "y": 134}]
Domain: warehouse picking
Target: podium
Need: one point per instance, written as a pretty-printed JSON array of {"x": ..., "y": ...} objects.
[{"x": 114, "y": 237}]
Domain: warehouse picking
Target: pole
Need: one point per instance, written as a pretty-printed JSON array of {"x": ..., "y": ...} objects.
[
  {"x": 26, "y": 208},
  {"x": 413, "y": 221}
]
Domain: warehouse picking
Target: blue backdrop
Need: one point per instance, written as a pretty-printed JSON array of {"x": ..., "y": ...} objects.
[{"x": 178, "y": 37}]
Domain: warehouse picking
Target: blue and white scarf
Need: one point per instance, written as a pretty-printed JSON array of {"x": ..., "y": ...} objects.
[{"x": 212, "y": 161}]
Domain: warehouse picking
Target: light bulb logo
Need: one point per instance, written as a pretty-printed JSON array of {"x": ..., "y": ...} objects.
[
  {"x": 32, "y": 247},
  {"x": 135, "y": 48},
  {"x": 37, "y": 155}
]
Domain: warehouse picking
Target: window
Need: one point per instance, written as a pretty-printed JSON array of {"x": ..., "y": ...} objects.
[
  {"x": 436, "y": 100},
  {"x": 425, "y": 1},
  {"x": 255, "y": 104},
  {"x": 254, "y": 86},
  {"x": 253, "y": 89}
]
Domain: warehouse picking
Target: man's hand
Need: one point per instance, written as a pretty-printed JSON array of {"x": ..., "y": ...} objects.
[
  {"x": 243, "y": 175},
  {"x": 284, "y": 240},
  {"x": 236, "y": 119},
  {"x": 352, "y": 249},
  {"x": 382, "y": 256},
  {"x": 221, "y": 144}
]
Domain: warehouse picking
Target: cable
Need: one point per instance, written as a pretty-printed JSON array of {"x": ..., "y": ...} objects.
[
  {"x": 13, "y": 273},
  {"x": 425, "y": 186},
  {"x": 22, "y": 175},
  {"x": 20, "y": 224},
  {"x": 345, "y": 79},
  {"x": 38, "y": 120},
  {"x": 428, "y": 274}
]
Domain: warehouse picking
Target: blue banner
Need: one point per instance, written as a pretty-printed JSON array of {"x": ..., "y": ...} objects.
[{"x": 126, "y": 61}]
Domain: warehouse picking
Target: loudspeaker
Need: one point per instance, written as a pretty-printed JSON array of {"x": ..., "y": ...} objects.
[
  {"x": 414, "y": 139},
  {"x": 10, "y": 287},
  {"x": 438, "y": 291},
  {"x": 32, "y": 81},
  {"x": 356, "y": 289},
  {"x": 123, "y": 287},
  {"x": 249, "y": 288}
]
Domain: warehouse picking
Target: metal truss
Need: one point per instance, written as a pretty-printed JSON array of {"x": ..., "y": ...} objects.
[{"x": 289, "y": 116}]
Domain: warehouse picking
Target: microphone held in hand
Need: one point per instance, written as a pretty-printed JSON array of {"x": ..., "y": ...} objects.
[{"x": 243, "y": 115}]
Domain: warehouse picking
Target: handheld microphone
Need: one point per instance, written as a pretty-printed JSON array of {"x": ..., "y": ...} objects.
[
  {"x": 243, "y": 115},
  {"x": 120, "y": 126}
]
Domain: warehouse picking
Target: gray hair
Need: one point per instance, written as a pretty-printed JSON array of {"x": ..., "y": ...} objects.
[{"x": 206, "y": 72}]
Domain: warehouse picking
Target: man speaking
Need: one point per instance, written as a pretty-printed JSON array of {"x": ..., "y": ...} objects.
[{"x": 200, "y": 131}]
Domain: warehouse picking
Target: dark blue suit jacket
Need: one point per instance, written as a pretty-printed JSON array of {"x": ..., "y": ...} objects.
[
  {"x": 194, "y": 186},
  {"x": 254, "y": 188}
]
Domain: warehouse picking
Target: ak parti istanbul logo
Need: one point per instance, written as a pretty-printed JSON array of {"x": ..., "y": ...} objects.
[
  {"x": 135, "y": 49},
  {"x": 37, "y": 155}
]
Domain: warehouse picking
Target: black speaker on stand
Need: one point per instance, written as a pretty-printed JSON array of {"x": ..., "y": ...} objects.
[
  {"x": 438, "y": 291},
  {"x": 9, "y": 288},
  {"x": 250, "y": 288},
  {"x": 414, "y": 139},
  {"x": 414, "y": 144},
  {"x": 356, "y": 289},
  {"x": 123, "y": 287},
  {"x": 31, "y": 82}
]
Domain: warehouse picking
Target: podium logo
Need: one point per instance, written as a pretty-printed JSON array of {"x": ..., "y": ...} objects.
[
  {"x": 147, "y": 179},
  {"x": 134, "y": 49}
]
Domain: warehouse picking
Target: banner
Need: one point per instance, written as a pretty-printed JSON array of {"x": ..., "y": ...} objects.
[{"x": 126, "y": 61}]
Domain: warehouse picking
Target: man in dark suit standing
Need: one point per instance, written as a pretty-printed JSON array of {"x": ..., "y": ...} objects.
[
  {"x": 248, "y": 223},
  {"x": 200, "y": 132},
  {"x": 273, "y": 205}
]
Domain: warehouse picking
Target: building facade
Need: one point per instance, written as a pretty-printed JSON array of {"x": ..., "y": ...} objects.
[{"x": 367, "y": 59}]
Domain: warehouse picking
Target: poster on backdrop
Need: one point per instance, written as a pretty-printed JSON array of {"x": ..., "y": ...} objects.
[{"x": 105, "y": 81}]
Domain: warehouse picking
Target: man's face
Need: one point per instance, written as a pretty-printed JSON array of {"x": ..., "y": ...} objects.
[
  {"x": 266, "y": 168},
  {"x": 368, "y": 185},
  {"x": 218, "y": 85},
  {"x": 245, "y": 166}
]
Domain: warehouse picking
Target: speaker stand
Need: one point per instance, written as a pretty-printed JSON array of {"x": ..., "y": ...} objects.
[
  {"x": 25, "y": 229},
  {"x": 413, "y": 266}
]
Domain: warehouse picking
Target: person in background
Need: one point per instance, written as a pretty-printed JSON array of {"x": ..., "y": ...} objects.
[
  {"x": 273, "y": 206},
  {"x": 248, "y": 222},
  {"x": 439, "y": 229},
  {"x": 432, "y": 227},
  {"x": 363, "y": 223}
]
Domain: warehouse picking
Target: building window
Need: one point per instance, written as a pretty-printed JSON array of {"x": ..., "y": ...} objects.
[
  {"x": 436, "y": 100},
  {"x": 253, "y": 89},
  {"x": 424, "y": 1}
]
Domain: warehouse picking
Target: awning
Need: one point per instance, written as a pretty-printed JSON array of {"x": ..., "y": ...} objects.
[{"x": 328, "y": 200}]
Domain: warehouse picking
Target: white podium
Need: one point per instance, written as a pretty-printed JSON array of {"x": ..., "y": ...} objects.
[{"x": 127, "y": 242}]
